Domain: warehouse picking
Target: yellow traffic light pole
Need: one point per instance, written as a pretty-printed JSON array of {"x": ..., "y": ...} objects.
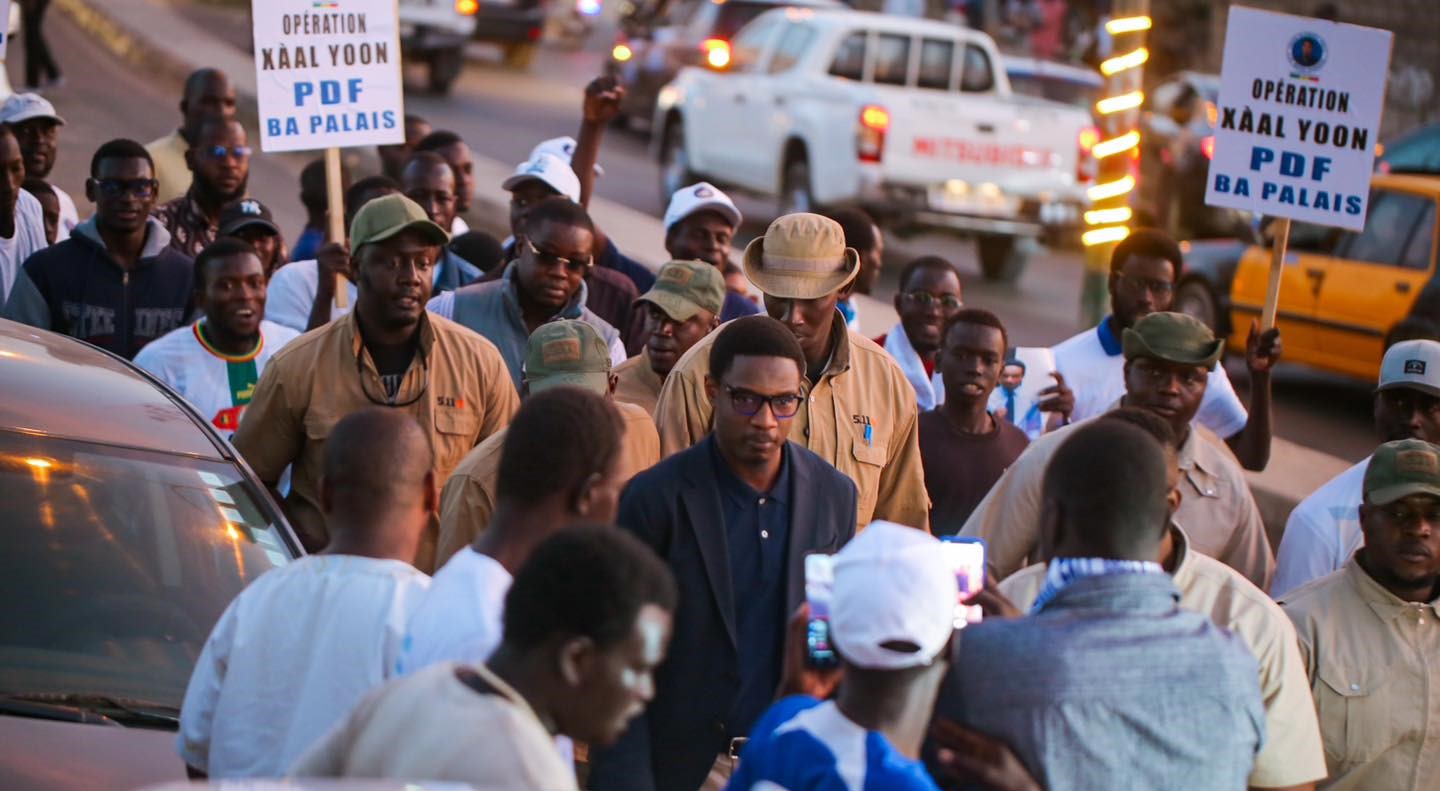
[{"x": 1117, "y": 153}]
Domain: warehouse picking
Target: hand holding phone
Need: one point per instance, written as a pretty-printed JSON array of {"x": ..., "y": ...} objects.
[
  {"x": 967, "y": 558},
  {"x": 819, "y": 590}
]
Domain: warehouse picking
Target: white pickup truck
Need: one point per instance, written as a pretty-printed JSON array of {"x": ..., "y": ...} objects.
[
  {"x": 911, "y": 119},
  {"x": 434, "y": 32}
]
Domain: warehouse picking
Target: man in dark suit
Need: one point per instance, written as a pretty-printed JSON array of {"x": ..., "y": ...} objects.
[{"x": 734, "y": 516}]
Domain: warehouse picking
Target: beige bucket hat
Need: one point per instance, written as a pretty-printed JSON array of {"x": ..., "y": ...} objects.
[{"x": 801, "y": 256}]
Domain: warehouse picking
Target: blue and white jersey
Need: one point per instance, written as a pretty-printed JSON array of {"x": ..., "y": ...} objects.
[{"x": 802, "y": 744}]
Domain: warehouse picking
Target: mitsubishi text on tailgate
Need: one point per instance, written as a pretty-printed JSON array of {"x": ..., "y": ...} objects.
[{"x": 911, "y": 119}]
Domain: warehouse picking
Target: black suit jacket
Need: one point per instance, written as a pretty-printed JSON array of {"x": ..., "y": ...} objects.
[{"x": 675, "y": 508}]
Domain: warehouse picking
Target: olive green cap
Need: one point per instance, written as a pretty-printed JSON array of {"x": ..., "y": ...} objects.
[
  {"x": 684, "y": 288},
  {"x": 386, "y": 216},
  {"x": 1173, "y": 338},
  {"x": 1400, "y": 469},
  {"x": 569, "y": 353}
]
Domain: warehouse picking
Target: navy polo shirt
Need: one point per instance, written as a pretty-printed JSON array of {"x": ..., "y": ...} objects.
[{"x": 757, "y": 533}]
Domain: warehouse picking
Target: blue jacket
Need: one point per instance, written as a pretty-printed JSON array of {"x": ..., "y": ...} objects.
[{"x": 77, "y": 289}]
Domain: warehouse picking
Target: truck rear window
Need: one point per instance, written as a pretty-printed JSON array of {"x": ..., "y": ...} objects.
[{"x": 892, "y": 59}]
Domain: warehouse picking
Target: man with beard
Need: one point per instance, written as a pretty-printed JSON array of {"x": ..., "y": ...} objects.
[
  {"x": 429, "y": 180},
  {"x": 220, "y": 163},
  {"x": 683, "y": 307},
  {"x": 215, "y": 362},
  {"x": 929, "y": 295},
  {"x": 115, "y": 283},
  {"x": 208, "y": 94},
  {"x": 1143, "y": 271},
  {"x": 545, "y": 283},
  {"x": 1324, "y": 530},
  {"x": 387, "y": 352},
  {"x": 1168, "y": 360},
  {"x": 32, "y": 117}
]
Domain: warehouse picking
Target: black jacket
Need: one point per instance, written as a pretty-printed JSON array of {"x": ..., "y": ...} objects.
[
  {"x": 675, "y": 508},
  {"x": 76, "y": 288}
]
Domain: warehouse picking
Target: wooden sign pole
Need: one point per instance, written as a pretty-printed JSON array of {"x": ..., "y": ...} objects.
[
  {"x": 1277, "y": 268},
  {"x": 335, "y": 214}
]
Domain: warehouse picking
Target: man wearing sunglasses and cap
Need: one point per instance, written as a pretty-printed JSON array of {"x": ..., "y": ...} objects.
[
  {"x": 248, "y": 220},
  {"x": 545, "y": 283},
  {"x": 220, "y": 166},
  {"x": 1168, "y": 359},
  {"x": 859, "y": 413},
  {"x": 387, "y": 352},
  {"x": 563, "y": 353},
  {"x": 681, "y": 308}
]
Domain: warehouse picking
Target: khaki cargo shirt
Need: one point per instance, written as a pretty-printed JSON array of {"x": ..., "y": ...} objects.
[
  {"x": 468, "y": 499},
  {"x": 1293, "y": 754},
  {"x": 1374, "y": 667},
  {"x": 461, "y": 390},
  {"x": 1217, "y": 510},
  {"x": 861, "y": 417},
  {"x": 637, "y": 383}
]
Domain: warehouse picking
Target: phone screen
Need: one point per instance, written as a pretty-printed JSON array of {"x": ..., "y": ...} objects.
[
  {"x": 819, "y": 588},
  {"x": 967, "y": 558}
]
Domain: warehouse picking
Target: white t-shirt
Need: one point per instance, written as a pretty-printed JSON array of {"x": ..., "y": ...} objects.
[
  {"x": 29, "y": 238},
  {"x": 69, "y": 215},
  {"x": 443, "y": 305},
  {"x": 432, "y": 725},
  {"x": 1098, "y": 381},
  {"x": 203, "y": 377},
  {"x": 293, "y": 653},
  {"x": 1322, "y": 532},
  {"x": 291, "y": 294},
  {"x": 460, "y": 618}
]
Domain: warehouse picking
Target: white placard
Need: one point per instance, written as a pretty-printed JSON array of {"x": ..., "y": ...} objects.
[
  {"x": 1298, "y": 117},
  {"x": 328, "y": 73}
]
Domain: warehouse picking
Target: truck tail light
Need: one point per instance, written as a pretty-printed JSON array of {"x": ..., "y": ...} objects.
[
  {"x": 467, "y": 7},
  {"x": 870, "y": 139},
  {"x": 716, "y": 52},
  {"x": 1086, "y": 166}
]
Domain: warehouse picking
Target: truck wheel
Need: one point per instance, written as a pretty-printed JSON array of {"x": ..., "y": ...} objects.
[
  {"x": 795, "y": 194},
  {"x": 1002, "y": 258},
  {"x": 1194, "y": 298},
  {"x": 445, "y": 66},
  {"x": 518, "y": 56},
  {"x": 675, "y": 173}
]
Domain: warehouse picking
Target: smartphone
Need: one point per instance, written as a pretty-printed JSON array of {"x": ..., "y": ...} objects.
[
  {"x": 967, "y": 558},
  {"x": 819, "y": 589}
]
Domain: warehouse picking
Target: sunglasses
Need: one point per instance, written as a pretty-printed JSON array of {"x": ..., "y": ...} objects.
[
  {"x": 114, "y": 188},
  {"x": 925, "y": 300},
  {"x": 576, "y": 265},
  {"x": 220, "y": 152}
]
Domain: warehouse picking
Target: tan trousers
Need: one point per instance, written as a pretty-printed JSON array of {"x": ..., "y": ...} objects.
[{"x": 720, "y": 773}]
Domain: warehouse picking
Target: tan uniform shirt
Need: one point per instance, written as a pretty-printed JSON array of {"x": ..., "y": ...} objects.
[
  {"x": 637, "y": 383},
  {"x": 461, "y": 390},
  {"x": 1374, "y": 666},
  {"x": 1293, "y": 754},
  {"x": 861, "y": 417},
  {"x": 468, "y": 500},
  {"x": 1217, "y": 509},
  {"x": 171, "y": 171}
]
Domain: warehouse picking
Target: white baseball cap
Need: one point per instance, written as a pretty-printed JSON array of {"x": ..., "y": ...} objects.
[
  {"x": 20, "y": 107},
  {"x": 892, "y": 585},
  {"x": 700, "y": 197},
  {"x": 553, "y": 171},
  {"x": 1412, "y": 364},
  {"x": 562, "y": 147}
]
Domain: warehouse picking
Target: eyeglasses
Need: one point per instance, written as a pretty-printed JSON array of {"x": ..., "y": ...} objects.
[
  {"x": 385, "y": 399},
  {"x": 748, "y": 404},
  {"x": 1140, "y": 285},
  {"x": 219, "y": 152},
  {"x": 925, "y": 300},
  {"x": 114, "y": 188},
  {"x": 575, "y": 265}
]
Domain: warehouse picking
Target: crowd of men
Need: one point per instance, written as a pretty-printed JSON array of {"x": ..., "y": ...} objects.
[{"x": 455, "y": 425}]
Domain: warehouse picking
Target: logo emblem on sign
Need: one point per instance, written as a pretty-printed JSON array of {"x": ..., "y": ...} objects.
[
  {"x": 1308, "y": 53},
  {"x": 1415, "y": 367}
]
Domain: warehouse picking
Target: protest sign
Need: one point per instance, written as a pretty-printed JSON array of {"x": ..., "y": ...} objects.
[
  {"x": 1297, "y": 122},
  {"x": 327, "y": 74}
]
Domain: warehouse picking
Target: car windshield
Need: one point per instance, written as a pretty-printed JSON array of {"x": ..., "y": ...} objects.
[
  {"x": 1056, "y": 89},
  {"x": 735, "y": 15},
  {"x": 1415, "y": 152},
  {"x": 116, "y": 564}
]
